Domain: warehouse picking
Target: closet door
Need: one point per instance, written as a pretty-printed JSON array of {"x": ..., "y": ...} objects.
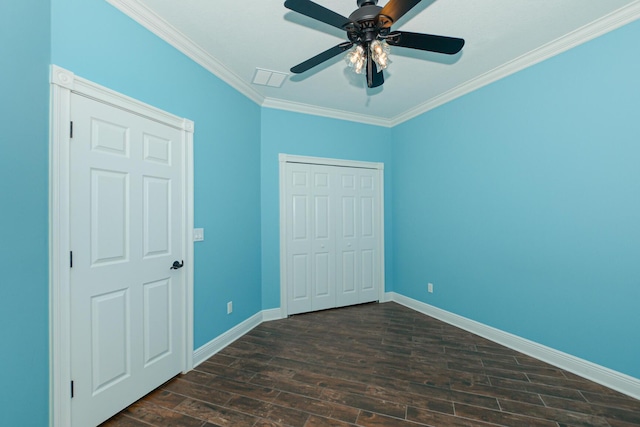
[
  {"x": 333, "y": 248},
  {"x": 323, "y": 241},
  {"x": 359, "y": 256},
  {"x": 310, "y": 237}
]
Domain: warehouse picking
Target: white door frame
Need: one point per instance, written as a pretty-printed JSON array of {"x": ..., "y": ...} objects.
[
  {"x": 63, "y": 84},
  {"x": 289, "y": 158}
]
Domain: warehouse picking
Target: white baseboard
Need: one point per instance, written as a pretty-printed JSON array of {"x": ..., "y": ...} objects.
[
  {"x": 272, "y": 314},
  {"x": 591, "y": 371},
  {"x": 215, "y": 345},
  {"x": 388, "y": 297}
]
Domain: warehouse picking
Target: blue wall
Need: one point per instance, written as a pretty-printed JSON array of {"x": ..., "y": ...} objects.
[
  {"x": 98, "y": 42},
  {"x": 521, "y": 203},
  {"x": 301, "y": 134},
  {"x": 24, "y": 168}
]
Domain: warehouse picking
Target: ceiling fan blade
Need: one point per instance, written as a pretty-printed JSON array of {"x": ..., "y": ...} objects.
[
  {"x": 321, "y": 57},
  {"x": 429, "y": 42},
  {"x": 394, "y": 10},
  {"x": 374, "y": 78},
  {"x": 315, "y": 11}
]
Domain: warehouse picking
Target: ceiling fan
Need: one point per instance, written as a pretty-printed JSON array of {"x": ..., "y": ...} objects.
[{"x": 369, "y": 30}]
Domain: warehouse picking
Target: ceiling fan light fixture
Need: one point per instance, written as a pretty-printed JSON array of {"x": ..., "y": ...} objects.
[
  {"x": 369, "y": 29},
  {"x": 356, "y": 59}
]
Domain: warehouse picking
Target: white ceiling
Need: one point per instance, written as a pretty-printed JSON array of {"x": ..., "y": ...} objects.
[{"x": 232, "y": 38}]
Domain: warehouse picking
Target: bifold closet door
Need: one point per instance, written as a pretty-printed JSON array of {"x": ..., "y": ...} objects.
[
  {"x": 357, "y": 241},
  {"x": 311, "y": 238},
  {"x": 333, "y": 250}
]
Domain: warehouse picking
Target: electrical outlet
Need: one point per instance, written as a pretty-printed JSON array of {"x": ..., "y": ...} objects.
[
  {"x": 430, "y": 288},
  {"x": 229, "y": 307}
]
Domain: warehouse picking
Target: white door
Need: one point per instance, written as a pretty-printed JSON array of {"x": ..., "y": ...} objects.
[
  {"x": 358, "y": 240},
  {"x": 126, "y": 198},
  {"x": 323, "y": 242},
  {"x": 311, "y": 249},
  {"x": 333, "y": 244}
]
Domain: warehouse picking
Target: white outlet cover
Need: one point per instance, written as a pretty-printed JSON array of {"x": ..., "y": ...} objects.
[{"x": 198, "y": 234}]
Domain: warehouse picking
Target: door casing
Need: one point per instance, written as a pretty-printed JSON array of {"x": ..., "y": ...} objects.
[
  {"x": 63, "y": 84},
  {"x": 288, "y": 158}
]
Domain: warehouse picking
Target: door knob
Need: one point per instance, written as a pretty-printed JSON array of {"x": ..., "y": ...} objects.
[{"x": 176, "y": 265}]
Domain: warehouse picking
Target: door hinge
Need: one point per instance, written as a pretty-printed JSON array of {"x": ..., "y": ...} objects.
[
  {"x": 70, "y": 259},
  {"x": 72, "y": 391},
  {"x": 70, "y": 129}
]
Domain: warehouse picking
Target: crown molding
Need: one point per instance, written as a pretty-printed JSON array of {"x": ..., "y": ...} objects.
[
  {"x": 161, "y": 28},
  {"x": 314, "y": 110},
  {"x": 614, "y": 20},
  {"x": 150, "y": 20}
]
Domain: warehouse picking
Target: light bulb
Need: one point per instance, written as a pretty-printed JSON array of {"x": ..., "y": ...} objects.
[
  {"x": 356, "y": 59},
  {"x": 380, "y": 53},
  {"x": 376, "y": 49}
]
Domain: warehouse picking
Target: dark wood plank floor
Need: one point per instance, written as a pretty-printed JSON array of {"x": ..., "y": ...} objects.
[{"x": 375, "y": 365}]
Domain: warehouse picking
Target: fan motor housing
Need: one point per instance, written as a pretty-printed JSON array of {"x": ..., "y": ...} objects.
[{"x": 365, "y": 13}]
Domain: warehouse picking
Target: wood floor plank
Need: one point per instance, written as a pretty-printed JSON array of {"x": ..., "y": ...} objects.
[
  {"x": 317, "y": 421},
  {"x": 157, "y": 415},
  {"x": 121, "y": 420},
  {"x": 215, "y": 414},
  {"x": 499, "y": 417}
]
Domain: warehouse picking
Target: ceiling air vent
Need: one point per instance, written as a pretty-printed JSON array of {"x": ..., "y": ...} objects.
[{"x": 269, "y": 78}]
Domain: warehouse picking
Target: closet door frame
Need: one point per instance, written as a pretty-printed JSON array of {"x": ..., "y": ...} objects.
[{"x": 289, "y": 158}]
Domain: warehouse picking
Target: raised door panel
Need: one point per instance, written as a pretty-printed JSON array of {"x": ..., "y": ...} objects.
[
  {"x": 322, "y": 280},
  {"x": 157, "y": 216},
  {"x": 300, "y": 273},
  {"x": 109, "y": 213},
  {"x": 110, "y": 340},
  {"x": 110, "y": 138},
  {"x": 157, "y": 302}
]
